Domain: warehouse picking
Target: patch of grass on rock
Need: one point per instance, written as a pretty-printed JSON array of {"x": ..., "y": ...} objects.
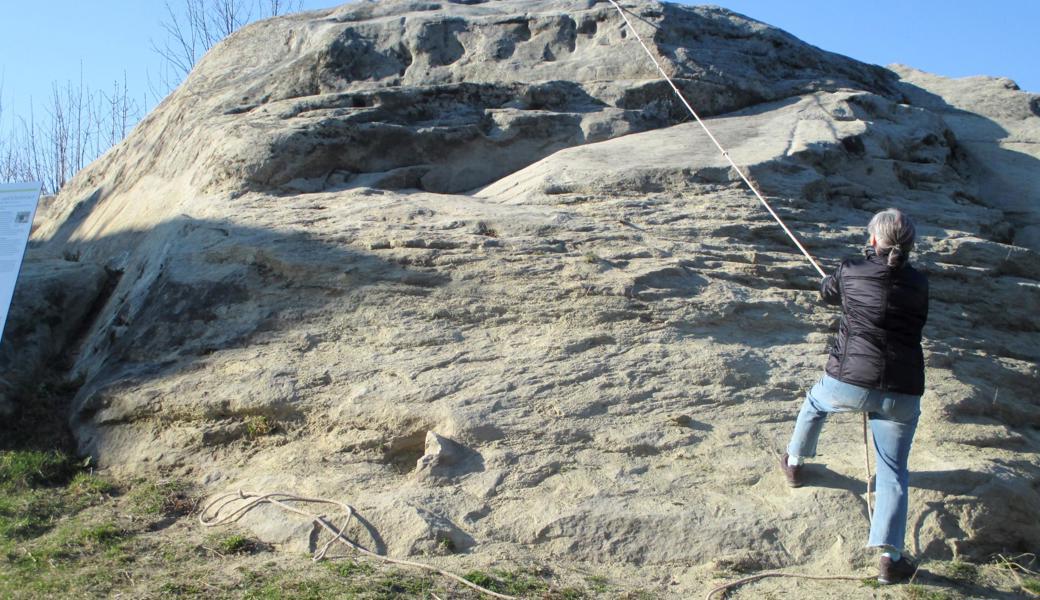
[
  {"x": 27, "y": 513},
  {"x": 349, "y": 569},
  {"x": 234, "y": 543},
  {"x": 962, "y": 571},
  {"x": 513, "y": 583},
  {"x": 171, "y": 498},
  {"x": 277, "y": 584},
  {"x": 912, "y": 591},
  {"x": 597, "y": 583},
  {"x": 1032, "y": 586},
  {"x": 257, "y": 426},
  {"x": 28, "y": 468}
]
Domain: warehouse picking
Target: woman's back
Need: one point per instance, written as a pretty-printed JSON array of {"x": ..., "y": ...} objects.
[{"x": 884, "y": 310}]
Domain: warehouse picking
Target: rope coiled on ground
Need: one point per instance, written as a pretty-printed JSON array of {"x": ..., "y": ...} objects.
[{"x": 239, "y": 503}]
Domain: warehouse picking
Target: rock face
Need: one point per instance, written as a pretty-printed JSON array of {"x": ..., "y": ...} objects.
[
  {"x": 488, "y": 220},
  {"x": 53, "y": 300}
]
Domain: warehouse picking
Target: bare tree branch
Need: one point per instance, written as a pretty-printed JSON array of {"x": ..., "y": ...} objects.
[
  {"x": 194, "y": 26},
  {"x": 78, "y": 124}
]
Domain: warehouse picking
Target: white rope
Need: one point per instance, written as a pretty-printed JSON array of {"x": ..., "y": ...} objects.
[
  {"x": 716, "y": 142},
  {"x": 751, "y": 186},
  {"x": 250, "y": 500},
  {"x": 758, "y": 195}
]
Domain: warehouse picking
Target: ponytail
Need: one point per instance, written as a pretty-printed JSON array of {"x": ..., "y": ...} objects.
[{"x": 895, "y": 256}]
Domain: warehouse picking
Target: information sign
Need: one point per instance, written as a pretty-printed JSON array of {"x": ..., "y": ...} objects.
[{"x": 17, "y": 209}]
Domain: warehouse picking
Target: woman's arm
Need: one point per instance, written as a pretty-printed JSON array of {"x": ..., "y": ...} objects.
[{"x": 830, "y": 288}]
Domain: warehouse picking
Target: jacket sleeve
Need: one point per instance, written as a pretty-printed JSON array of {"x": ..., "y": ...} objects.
[{"x": 830, "y": 288}]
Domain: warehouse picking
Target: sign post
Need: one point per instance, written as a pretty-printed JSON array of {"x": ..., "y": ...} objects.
[{"x": 17, "y": 209}]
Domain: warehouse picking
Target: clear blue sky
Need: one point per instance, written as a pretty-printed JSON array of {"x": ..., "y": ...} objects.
[
  {"x": 48, "y": 40},
  {"x": 955, "y": 38}
]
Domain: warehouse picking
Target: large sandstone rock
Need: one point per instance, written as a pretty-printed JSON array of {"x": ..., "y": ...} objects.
[
  {"x": 488, "y": 221},
  {"x": 53, "y": 305}
]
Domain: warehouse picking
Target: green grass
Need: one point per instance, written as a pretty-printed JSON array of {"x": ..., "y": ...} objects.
[
  {"x": 1031, "y": 585},
  {"x": 180, "y": 589},
  {"x": 88, "y": 489},
  {"x": 103, "y": 535},
  {"x": 73, "y": 556},
  {"x": 37, "y": 488},
  {"x": 277, "y": 584},
  {"x": 167, "y": 498},
  {"x": 870, "y": 582},
  {"x": 567, "y": 593},
  {"x": 962, "y": 571},
  {"x": 30, "y": 468},
  {"x": 28, "y": 513},
  {"x": 258, "y": 426},
  {"x": 597, "y": 583},
  {"x": 349, "y": 569},
  {"x": 234, "y": 543},
  {"x": 512, "y": 583},
  {"x": 912, "y": 591}
]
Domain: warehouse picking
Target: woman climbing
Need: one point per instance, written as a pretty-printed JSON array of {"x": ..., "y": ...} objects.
[{"x": 876, "y": 366}]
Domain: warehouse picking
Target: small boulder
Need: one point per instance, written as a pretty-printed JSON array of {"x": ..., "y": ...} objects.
[{"x": 444, "y": 459}]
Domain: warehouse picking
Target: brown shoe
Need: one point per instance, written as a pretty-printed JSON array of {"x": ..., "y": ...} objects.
[
  {"x": 793, "y": 474},
  {"x": 895, "y": 571}
]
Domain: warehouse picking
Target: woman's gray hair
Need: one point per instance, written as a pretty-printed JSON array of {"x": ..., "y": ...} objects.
[{"x": 894, "y": 235}]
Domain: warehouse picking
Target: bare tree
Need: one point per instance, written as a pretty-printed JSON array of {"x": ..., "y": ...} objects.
[
  {"x": 4, "y": 156},
  {"x": 121, "y": 115},
  {"x": 79, "y": 126},
  {"x": 194, "y": 26}
]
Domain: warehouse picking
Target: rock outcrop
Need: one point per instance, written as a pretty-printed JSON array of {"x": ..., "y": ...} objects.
[{"x": 489, "y": 220}]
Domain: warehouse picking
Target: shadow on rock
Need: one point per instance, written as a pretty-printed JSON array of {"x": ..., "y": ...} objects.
[
  {"x": 188, "y": 289},
  {"x": 818, "y": 475}
]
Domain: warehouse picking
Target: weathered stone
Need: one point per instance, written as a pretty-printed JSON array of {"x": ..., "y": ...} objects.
[
  {"x": 445, "y": 459},
  {"x": 53, "y": 303},
  {"x": 609, "y": 335}
]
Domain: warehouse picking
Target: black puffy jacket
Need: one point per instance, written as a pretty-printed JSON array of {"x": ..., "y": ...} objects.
[{"x": 883, "y": 310}]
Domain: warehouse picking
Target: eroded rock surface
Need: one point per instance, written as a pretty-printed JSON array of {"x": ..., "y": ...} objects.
[
  {"x": 54, "y": 303},
  {"x": 607, "y": 335}
]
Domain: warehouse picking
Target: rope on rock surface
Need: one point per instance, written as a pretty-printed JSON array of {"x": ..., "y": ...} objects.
[
  {"x": 754, "y": 190},
  {"x": 251, "y": 500},
  {"x": 733, "y": 164},
  {"x": 761, "y": 198}
]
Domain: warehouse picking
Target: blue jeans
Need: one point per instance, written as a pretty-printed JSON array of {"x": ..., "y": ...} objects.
[{"x": 893, "y": 420}]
